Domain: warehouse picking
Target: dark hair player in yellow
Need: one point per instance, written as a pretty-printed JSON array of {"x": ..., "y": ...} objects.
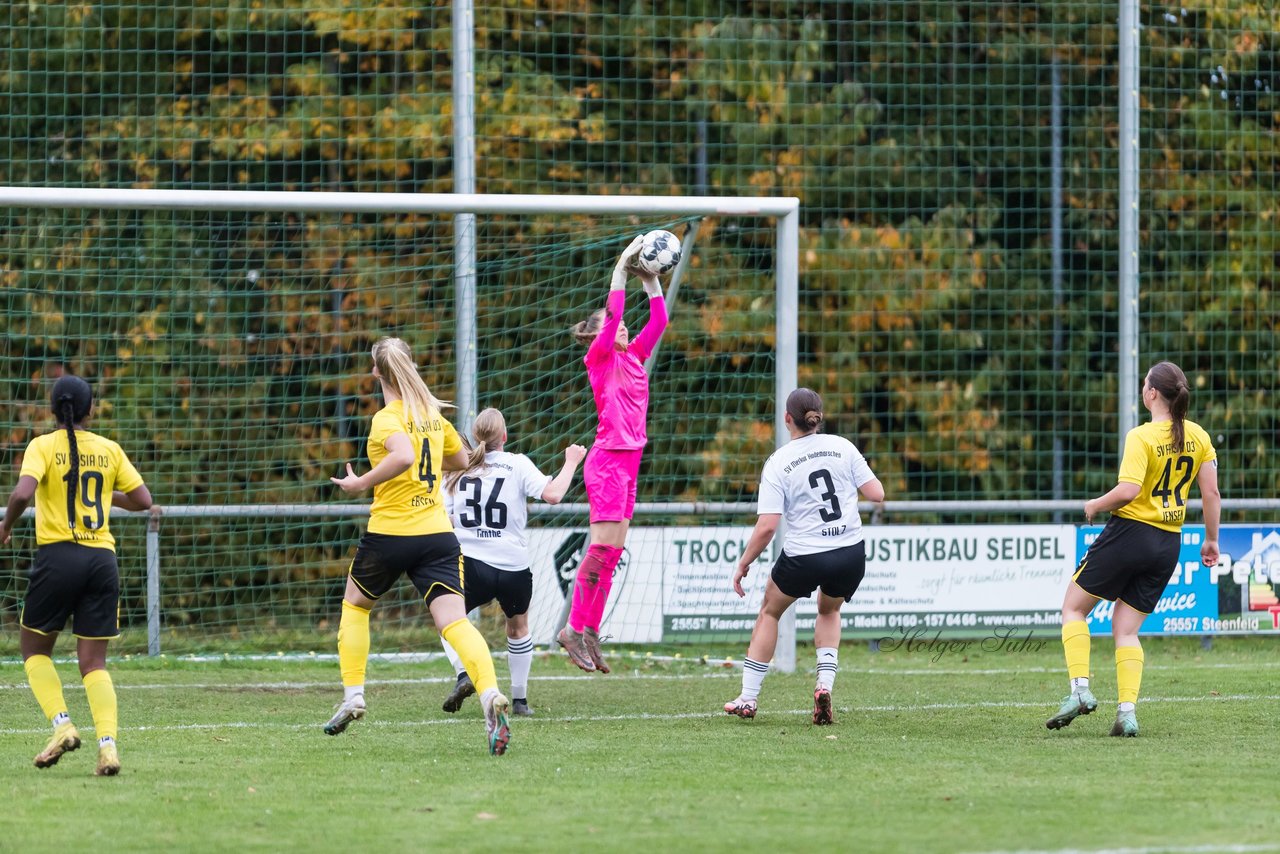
[{"x": 75, "y": 477}]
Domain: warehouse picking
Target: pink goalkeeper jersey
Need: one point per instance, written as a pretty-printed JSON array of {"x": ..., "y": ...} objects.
[{"x": 618, "y": 380}]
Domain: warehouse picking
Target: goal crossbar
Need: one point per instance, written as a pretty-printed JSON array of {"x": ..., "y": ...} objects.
[{"x": 443, "y": 203}]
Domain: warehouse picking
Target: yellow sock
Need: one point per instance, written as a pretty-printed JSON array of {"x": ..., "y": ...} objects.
[
  {"x": 102, "y": 702},
  {"x": 353, "y": 645},
  {"x": 1075, "y": 643},
  {"x": 1129, "y": 661},
  {"x": 45, "y": 684},
  {"x": 467, "y": 641}
]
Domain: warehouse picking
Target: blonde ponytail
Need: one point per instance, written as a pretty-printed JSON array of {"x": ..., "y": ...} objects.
[
  {"x": 489, "y": 430},
  {"x": 396, "y": 366}
]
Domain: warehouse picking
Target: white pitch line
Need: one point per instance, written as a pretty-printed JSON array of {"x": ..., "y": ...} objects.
[
  {"x": 1010, "y": 704},
  {"x": 722, "y": 672},
  {"x": 645, "y": 716},
  {"x": 333, "y": 683}
]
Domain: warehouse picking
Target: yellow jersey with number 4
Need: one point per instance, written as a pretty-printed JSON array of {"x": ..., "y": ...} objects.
[
  {"x": 1164, "y": 476},
  {"x": 104, "y": 468},
  {"x": 412, "y": 502}
]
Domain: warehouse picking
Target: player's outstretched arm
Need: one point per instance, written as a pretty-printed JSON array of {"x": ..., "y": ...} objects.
[
  {"x": 761, "y": 535},
  {"x": 657, "y": 324},
  {"x": 19, "y": 500},
  {"x": 559, "y": 485},
  {"x": 1120, "y": 495},
  {"x": 626, "y": 264},
  {"x": 397, "y": 461},
  {"x": 602, "y": 345}
]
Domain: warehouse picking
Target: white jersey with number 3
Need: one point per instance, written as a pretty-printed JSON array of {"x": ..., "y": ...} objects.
[
  {"x": 489, "y": 510},
  {"x": 813, "y": 482}
]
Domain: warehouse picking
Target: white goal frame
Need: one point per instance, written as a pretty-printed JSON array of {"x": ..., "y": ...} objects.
[{"x": 464, "y": 207}]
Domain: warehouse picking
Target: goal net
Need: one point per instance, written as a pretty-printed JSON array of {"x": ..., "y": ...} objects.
[{"x": 229, "y": 354}]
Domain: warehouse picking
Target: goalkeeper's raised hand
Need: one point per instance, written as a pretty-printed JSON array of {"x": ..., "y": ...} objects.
[
  {"x": 626, "y": 265},
  {"x": 649, "y": 282}
]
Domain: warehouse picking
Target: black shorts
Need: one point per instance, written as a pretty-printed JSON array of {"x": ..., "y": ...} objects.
[
  {"x": 433, "y": 563},
  {"x": 837, "y": 572},
  {"x": 1130, "y": 561},
  {"x": 513, "y": 590},
  {"x": 68, "y": 578}
]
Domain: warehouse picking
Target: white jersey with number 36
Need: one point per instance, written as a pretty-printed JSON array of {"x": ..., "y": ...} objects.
[
  {"x": 490, "y": 513},
  {"x": 813, "y": 482}
]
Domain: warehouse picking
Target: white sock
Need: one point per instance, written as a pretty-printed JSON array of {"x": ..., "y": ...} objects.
[
  {"x": 828, "y": 664},
  {"x": 61, "y": 718},
  {"x": 753, "y": 673},
  {"x": 1080, "y": 682},
  {"x": 349, "y": 691},
  {"x": 458, "y": 667},
  {"x": 105, "y": 740},
  {"x": 1127, "y": 707},
  {"x": 520, "y": 660}
]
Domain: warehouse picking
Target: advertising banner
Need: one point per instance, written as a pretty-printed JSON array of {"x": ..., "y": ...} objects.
[
  {"x": 1248, "y": 578},
  {"x": 674, "y": 583}
]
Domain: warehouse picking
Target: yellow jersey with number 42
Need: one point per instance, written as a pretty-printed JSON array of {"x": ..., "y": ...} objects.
[
  {"x": 411, "y": 503},
  {"x": 104, "y": 468},
  {"x": 1164, "y": 476}
]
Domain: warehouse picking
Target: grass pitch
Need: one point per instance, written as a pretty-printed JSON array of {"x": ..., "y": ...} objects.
[{"x": 931, "y": 751}]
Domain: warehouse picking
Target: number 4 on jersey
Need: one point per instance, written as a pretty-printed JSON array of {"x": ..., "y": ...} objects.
[{"x": 425, "y": 474}]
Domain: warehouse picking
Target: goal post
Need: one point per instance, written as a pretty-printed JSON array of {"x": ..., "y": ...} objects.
[{"x": 226, "y": 333}]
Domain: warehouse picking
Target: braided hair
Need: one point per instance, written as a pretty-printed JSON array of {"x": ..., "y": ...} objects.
[{"x": 70, "y": 401}]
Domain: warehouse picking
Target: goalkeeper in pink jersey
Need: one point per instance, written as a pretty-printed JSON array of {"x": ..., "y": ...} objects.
[{"x": 615, "y": 366}]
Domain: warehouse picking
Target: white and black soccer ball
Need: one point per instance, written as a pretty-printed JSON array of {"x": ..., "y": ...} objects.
[{"x": 659, "y": 253}]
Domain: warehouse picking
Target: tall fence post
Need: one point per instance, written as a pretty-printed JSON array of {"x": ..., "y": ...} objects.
[
  {"x": 1127, "y": 405},
  {"x": 464, "y": 224},
  {"x": 1057, "y": 264},
  {"x": 153, "y": 584}
]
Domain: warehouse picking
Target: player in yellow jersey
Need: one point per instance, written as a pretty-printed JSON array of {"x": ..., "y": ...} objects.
[
  {"x": 1132, "y": 560},
  {"x": 75, "y": 477},
  {"x": 411, "y": 446}
]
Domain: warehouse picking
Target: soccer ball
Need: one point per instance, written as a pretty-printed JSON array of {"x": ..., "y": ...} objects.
[{"x": 659, "y": 253}]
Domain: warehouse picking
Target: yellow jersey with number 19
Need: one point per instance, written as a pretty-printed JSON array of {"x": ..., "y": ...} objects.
[
  {"x": 411, "y": 503},
  {"x": 1163, "y": 474},
  {"x": 104, "y": 468}
]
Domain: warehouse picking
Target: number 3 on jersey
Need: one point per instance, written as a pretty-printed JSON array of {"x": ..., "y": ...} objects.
[
  {"x": 832, "y": 511},
  {"x": 425, "y": 474}
]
